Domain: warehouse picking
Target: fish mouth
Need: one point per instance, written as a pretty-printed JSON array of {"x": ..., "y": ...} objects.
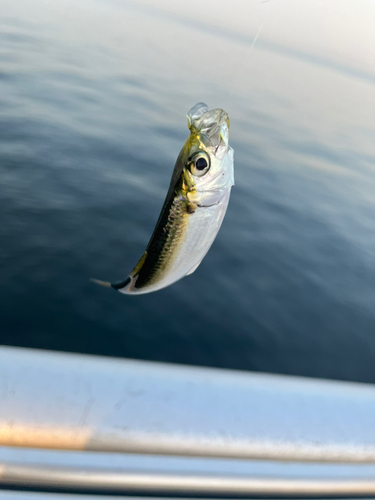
[{"x": 212, "y": 126}]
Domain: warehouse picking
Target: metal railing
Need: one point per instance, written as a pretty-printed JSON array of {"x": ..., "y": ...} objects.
[{"x": 92, "y": 423}]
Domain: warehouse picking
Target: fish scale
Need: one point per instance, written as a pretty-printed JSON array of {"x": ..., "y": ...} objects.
[{"x": 173, "y": 231}]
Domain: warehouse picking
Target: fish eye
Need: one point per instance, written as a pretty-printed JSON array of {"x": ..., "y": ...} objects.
[{"x": 199, "y": 163}]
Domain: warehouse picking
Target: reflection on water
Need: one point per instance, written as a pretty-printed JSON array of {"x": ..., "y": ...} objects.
[{"x": 93, "y": 99}]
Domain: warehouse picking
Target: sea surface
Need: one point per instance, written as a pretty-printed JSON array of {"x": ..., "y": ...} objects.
[{"x": 93, "y": 98}]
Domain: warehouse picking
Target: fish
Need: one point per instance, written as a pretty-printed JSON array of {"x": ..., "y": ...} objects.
[{"x": 194, "y": 207}]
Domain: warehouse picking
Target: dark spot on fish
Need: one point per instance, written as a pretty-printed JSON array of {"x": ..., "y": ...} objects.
[{"x": 190, "y": 208}]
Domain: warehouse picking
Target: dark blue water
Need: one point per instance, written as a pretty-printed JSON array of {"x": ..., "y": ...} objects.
[{"x": 92, "y": 117}]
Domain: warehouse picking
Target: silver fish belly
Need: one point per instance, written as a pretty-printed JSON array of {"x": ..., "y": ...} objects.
[{"x": 194, "y": 207}]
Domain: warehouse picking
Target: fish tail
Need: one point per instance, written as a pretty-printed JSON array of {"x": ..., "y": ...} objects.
[
  {"x": 117, "y": 286},
  {"x": 106, "y": 284}
]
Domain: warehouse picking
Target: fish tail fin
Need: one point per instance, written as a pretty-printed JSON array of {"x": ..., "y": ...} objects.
[
  {"x": 121, "y": 284},
  {"x": 116, "y": 286},
  {"x": 106, "y": 284}
]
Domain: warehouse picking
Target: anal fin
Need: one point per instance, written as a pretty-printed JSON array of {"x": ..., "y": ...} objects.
[{"x": 193, "y": 269}]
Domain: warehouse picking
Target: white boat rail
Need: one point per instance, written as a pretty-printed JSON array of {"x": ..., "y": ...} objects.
[{"x": 86, "y": 423}]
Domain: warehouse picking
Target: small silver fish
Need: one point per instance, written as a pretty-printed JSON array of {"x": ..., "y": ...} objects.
[{"x": 194, "y": 207}]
